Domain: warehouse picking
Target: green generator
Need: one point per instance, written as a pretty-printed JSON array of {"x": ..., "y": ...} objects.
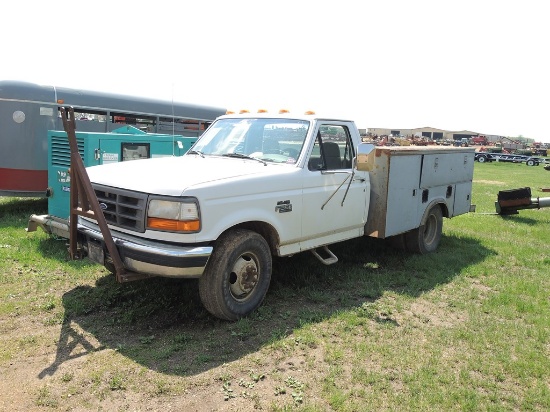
[{"x": 126, "y": 143}]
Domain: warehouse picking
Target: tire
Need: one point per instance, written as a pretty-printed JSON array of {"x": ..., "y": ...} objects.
[
  {"x": 426, "y": 238},
  {"x": 237, "y": 276},
  {"x": 481, "y": 159},
  {"x": 530, "y": 162}
]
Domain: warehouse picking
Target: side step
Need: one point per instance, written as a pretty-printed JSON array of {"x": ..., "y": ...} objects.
[{"x": 329, "y": 258}]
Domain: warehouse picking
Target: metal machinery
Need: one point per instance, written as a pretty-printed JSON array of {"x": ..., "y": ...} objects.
[
  {"x": 510, "y": 201},
  {"x": 123, "y": 144}
]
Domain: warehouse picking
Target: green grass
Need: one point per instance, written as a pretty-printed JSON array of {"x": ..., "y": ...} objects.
[{"x": 466, "y": 328}]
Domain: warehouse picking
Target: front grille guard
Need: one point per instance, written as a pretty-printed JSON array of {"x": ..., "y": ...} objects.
[{"x": 83, "y": 202}]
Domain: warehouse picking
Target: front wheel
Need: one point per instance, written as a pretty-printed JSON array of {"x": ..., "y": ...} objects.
[
  {"x": 426, "y": 238},
  {"x": 530, "y": 162},
  {"x": 481, "y": 159},
  {"x": 237, "y": 276}
]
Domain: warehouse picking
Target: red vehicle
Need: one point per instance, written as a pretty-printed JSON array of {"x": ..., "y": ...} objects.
[{"x": 480, "y": 140}]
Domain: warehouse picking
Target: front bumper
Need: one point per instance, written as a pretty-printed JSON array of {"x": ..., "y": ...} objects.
[{"x": 145, "y": 256}]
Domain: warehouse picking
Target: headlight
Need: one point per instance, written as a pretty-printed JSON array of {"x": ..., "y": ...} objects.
[{"x": 173, "y": 216}]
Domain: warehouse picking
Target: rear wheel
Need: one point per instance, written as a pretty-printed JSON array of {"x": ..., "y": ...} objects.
[
  {"x": 481, "y": 159},
  {"x": 426, "y": 238},
  {"x": 237, "y": 276},
  {"x": 530, "y": 162}
]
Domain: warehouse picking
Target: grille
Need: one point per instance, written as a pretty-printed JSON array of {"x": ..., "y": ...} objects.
[
  {"x": 61, "y": 151},
  {"x": 122, "y": 208}
]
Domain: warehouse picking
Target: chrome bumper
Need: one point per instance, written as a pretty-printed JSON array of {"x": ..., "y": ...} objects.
[{"x": 145, "y": 256}]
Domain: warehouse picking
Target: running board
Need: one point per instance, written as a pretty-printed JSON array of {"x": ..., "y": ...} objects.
[{"x": 329, "y": 260}]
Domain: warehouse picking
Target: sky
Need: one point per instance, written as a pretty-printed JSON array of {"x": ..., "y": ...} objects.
[{"x": 475, "y": 65}]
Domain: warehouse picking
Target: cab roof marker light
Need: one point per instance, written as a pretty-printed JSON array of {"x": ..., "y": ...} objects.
[
  {"x": 244, "y": 111},
  {"x": 309, "y": 112},
  {"x": 283, "y": 111},
  {"x": 262, "y": 111},
  {"x": 229, "y": 112}
]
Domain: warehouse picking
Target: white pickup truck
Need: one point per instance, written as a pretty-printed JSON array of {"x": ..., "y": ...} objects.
[{"x": 261, "y": 185}]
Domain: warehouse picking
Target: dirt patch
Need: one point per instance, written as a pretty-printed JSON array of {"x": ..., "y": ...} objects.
[
  {"x": 489, "y": 182},
  {"x": 433, "y": 314},
  {"x": 81, "y": 377}
]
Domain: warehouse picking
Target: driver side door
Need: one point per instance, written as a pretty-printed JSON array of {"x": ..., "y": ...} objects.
[{"x": 335, "y": 197}]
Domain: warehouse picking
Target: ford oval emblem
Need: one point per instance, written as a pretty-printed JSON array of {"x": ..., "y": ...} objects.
[{"x": 103, "y": 206}]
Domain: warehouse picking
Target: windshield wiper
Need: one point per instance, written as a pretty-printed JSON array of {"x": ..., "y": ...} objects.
[
  {"x": 195, "y": 152},
  {"x": 243, "y": 156}
]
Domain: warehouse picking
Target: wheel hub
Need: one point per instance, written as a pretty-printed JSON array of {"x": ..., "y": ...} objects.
[{"x": 244, "y": 277}]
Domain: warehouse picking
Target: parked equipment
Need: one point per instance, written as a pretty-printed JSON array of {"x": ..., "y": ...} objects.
[
  {"x": 123, "y": 144},
  {"x": 510, "y": 201},
  {"x": 483, "y": 157}
]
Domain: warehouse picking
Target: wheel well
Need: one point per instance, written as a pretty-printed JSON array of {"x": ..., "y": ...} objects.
[
  {"x": 442, "y": 206},
  {"x": 265, "y": 230},
  {"x": 444, "y": 209}
]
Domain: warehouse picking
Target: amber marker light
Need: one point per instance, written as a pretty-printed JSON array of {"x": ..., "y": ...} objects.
[
  {"x": 262, "y": 111},
  {"x": 309, "y": 112},
  {"x": 60, "y": 101},
  {"x": 283, "y": 111},
  {"x": 244, "y": 111},
  {"x": 173, "y": 225}
]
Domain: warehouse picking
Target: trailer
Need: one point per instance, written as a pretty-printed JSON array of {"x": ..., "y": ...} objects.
[
  {"x": 483, "y": 157},
  {"x": 509, "y": 202}
]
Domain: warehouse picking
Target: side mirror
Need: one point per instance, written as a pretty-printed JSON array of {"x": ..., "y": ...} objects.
[{"x": 365, "y": 154}]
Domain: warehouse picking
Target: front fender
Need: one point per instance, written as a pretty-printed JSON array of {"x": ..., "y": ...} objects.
[{"x": 286, "y": 223}]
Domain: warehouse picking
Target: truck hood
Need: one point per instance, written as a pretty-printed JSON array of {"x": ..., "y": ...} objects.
[{"x": 173, "y": 175}]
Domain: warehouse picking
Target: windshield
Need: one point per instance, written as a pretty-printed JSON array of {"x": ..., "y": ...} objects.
[{"x": 270, "y": 140}]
